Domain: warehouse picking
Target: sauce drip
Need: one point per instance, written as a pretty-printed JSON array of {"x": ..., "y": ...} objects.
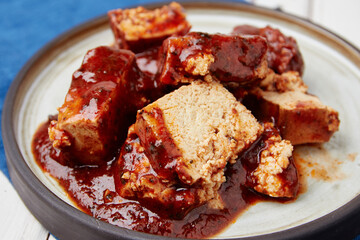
[{"x": 92, "y": 189}]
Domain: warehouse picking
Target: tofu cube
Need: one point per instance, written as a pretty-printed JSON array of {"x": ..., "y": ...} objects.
[
  {"x": 225, "y": 58},
  {"x": 194, "y": 132},
  {"x": 139, "y": 28}
]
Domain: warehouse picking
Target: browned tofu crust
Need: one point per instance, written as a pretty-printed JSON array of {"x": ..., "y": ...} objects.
[
  {"x": 139, "y": 28},
  {"x": 89, "y": 121},
  {"x": 223, "y": 57},
  {"x": 135, "y": 178},
  {"x": 283, "y": 53},
  {"x": 194, "y": 132},
  {"x": 301, "y": 117}
]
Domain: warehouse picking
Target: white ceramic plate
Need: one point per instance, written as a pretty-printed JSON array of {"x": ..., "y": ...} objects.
[{"x": 332, "y": 73}]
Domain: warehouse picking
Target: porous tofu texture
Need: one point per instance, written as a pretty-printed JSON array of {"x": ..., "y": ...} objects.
[
  {"x": 301, "y": 117},
  {"x": 285, "y": 82},
  {"x": 208, "y": 128},
  {"x": 273, "y": 161},
  {"x": 131, "y": 25}
]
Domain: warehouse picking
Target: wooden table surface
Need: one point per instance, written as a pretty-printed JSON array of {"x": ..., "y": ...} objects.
[{"x": 340, "y": 17}]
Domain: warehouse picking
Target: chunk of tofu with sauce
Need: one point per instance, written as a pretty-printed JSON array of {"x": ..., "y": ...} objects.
[
  {"x": 238, "y": 59},
  {"x": 89, "y": 121},
  {"x": 139, "y": 28},
  {"x": 301, "y": 117},
  {"x": 194, "y": 132},
  {"x": 136, "y": 179},
  {"x": 276, "y": 174}
]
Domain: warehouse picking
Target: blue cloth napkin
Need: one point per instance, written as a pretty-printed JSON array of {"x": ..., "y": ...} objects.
[{"x": 27, "y": 25}]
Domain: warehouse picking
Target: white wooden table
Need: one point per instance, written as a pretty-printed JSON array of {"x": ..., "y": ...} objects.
[{"x": 341, "y": 17}]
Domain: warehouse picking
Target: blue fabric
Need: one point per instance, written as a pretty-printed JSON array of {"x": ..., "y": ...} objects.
[{"x": 27, "y": 25}]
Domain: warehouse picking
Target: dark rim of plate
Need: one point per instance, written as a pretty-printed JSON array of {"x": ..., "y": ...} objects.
[{"x": 66, "y": 222}]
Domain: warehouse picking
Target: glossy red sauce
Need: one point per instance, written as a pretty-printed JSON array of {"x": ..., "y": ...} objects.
[
  {"x": 162, "y": 153},
  {"x": 148, "y": 61},
  {"x": 283, "y": 52},
  {"x": 92, "y": 189},
  {"x": 250, "y": 160},
  {"x": 235, "y": 58},
  {"x": 99, "y": 95},
  {"x": 170, "y": 198}
]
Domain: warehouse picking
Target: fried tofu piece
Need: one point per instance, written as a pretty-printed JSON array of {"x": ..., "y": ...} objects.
[
  {"x": 283, "y": 52},
  {"x": 276, "y": 174},
  {"x": 194, "y": 132},
  {"x": 136, "y": 179},
  {"x": 139, "y": 28},
  {"x": 301, "y": 117},
  {"x": 222, "y": 57},
  {"x": 89, "y": 121}
]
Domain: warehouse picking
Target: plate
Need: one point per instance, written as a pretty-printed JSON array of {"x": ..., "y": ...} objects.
[{"x": 330, "y": 206}]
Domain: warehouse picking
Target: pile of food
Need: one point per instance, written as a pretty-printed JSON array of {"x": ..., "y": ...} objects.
[{"x": 175, "y": 132}]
